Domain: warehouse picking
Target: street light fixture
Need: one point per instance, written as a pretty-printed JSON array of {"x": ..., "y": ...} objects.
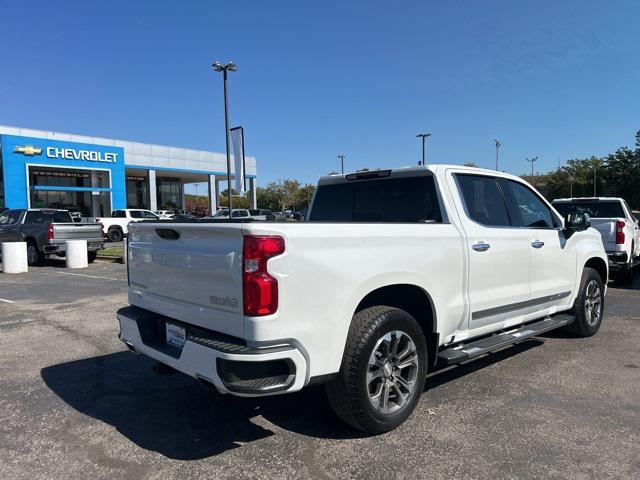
[
  {"x": 225, "y": 68},
  {"x": 341, "y": 157},
  {"x": 424, "y": 137},
  {"x": 498, "y": 145},
  {"x": 532, "y": 161}
]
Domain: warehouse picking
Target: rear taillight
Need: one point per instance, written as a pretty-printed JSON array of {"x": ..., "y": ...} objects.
[
  {"x": 50, "y": 233},
  {"x": 259, "y": 289},
  {"x": 101, "y": 230},
  {"x": 619, "y": 233}
]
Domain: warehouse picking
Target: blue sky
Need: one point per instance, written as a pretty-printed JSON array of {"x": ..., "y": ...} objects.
[{"x": 552, "y": 79}]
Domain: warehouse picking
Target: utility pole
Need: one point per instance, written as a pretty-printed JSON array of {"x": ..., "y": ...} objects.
[
  {"x": 424, "y": 137},
  {"x": 532, "y": 161},
  {"x": 229, "y": 67},
  {"x": 498, "y": 145},
  {"x": 341, "y": 157}
]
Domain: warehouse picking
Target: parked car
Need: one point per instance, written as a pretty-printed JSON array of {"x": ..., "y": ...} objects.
[
  {"x": 636, "y": 214},
  {"x": 261, "y": 214},
  {"x": 116, "y": 226},
  {"x": 224, "y": 213},
  {"x": 165, "y": 214},
  {"x": 394, "y": 271},
  {"x": 618, "y": 228},
  {"x": 300, "y": 215},
  {"x": 46, "y": 232}
]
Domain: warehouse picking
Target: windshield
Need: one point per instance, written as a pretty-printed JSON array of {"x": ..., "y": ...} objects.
[
  {"x": 221, "y": 213},
  {"x": 595, "y": 209},
  {"x": 390, "y": 200}
]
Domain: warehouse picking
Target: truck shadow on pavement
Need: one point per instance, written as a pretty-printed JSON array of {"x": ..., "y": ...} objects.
[{"x": 176, "y": 417}]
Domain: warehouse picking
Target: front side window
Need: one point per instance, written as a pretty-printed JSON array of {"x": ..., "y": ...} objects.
[
  {"x": 483, "y": 200},
  {"x": 525, "y": 208}
]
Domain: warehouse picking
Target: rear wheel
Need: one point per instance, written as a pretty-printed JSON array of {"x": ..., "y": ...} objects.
[
  {"x": 383, "y": 370},
  {"x": 114, "y": 234},
  {"x": 588, "y": 308},
  {"x": 34, "y": 256}
]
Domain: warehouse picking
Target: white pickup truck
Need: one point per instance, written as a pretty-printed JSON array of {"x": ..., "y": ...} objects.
[
  {"x": 618, "y": 227},
  {"x": 394, "y": 271},
  {"x": 117, "y": 225}
]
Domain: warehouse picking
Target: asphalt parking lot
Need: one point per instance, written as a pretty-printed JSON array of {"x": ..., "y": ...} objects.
[{"x": 75, "y": 404}]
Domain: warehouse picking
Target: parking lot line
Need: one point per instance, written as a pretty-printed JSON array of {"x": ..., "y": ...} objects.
[
  {"x": 90, "y": 276},
  {"x": 6, "y": 301}
]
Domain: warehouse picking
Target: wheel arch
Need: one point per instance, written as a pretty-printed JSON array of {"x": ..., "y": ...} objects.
[
  {"x": 600, "y": 266},
  {"x": 414, "y": 300}
]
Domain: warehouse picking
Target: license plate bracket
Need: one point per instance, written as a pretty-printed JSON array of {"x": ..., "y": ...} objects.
[{"x": 176, "y": 335}]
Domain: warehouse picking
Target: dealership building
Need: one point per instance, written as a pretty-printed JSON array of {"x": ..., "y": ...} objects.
[{"x": 40, "y": 169}]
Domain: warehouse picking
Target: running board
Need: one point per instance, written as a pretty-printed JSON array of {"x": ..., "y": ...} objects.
[{"x": 467, "y": 351}]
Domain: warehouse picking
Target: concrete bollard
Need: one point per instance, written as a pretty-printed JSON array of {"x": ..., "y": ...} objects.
[
  {"x": 76, "y": 254},
  {"x": 14, "y": 257},
  {"x": 125, "y": 259}
]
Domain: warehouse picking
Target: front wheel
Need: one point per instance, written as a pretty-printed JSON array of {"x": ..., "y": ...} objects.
[
  {"x": 588, "y": 308},
  {"x": 383, "y": 370}
]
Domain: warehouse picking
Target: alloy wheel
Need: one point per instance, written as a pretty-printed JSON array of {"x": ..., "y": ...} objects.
[
  {"x": 392, "y": 372},
  {"x": 593, "y": 303}
]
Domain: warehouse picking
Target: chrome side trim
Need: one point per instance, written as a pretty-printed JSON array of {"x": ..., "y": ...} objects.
[{"x": 490, "y": 312}]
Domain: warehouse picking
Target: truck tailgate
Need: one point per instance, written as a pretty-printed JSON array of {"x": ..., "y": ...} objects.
[
  {"x": 188, "y": 271},
  {"x": 75, "y": 231},
  {"x": 607, "y": 229}
]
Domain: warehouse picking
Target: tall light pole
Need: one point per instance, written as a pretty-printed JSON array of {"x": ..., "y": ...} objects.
[
  {"x": 532, "y": 161},
  {"x": 424, "y": 137},
  {"x": 594, "y": 179},
  {"x": 341, "y": 157},
  {"x": 225, "y": 68},
  {"x": 498, "y": 145}
]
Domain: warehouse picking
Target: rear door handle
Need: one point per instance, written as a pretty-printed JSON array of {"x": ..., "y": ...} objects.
[
  {"x": 481, "y": 246},
  {"x": 537, "y": 244}
]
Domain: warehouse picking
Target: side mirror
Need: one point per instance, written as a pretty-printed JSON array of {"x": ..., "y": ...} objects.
[{"x": 576, "y": 222}]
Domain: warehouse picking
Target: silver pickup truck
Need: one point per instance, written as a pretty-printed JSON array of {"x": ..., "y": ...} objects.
[{"x": 46, "y": 232}]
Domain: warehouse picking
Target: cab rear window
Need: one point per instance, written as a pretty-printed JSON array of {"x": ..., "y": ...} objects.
[
  {"x": 601, "y": 209},
  {"x": 44, "y": 216},
  {"x": 386, "y": 200}
]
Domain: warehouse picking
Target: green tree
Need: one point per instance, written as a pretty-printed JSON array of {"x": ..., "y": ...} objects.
[{"x": 621, "y": 173}]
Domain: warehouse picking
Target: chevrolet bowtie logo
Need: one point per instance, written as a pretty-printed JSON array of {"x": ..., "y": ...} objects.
[{"x": 28, "y": 150}]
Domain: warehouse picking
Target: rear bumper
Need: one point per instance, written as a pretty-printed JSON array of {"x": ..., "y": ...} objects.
[
  {"x": 61, "y": 246},
  {"x": 226, "y": 362},
  {"x": 617, "y": 260}
]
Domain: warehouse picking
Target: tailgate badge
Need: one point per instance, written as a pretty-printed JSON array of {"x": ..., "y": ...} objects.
[{"x": 229, "y": 302}]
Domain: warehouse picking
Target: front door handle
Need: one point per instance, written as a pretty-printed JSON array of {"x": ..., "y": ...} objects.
[
  {"x": 537, "y": 244},
  {"x": 481, "y": 246}
]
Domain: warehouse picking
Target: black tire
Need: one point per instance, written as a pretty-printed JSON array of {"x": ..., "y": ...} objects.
[
  {"x": 585, "y": 324},
  {"x": 349, "y": 393},
  {"x": 34, "y": 255},
  {"x": 114, "y": 234},
  {"x": 91, "y": 256}
]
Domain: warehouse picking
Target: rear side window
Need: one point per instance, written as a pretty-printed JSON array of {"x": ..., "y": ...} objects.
[
  {"x": 483, "y": 200},
  {"x": 10, "y": 217},
  {"x": 118, "y": 214},
  {"x": 595, "y": 209},
  {"x": 525, "y": 208},
  {"x": 48, "y": 217},
  {"x": 411, "y": 199}
]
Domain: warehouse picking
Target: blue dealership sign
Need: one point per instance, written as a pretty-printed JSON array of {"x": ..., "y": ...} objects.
[{"x": 18, "y": 153}]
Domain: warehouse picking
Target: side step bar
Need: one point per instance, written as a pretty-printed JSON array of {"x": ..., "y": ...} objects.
[{"x": 467, "y": 351}]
